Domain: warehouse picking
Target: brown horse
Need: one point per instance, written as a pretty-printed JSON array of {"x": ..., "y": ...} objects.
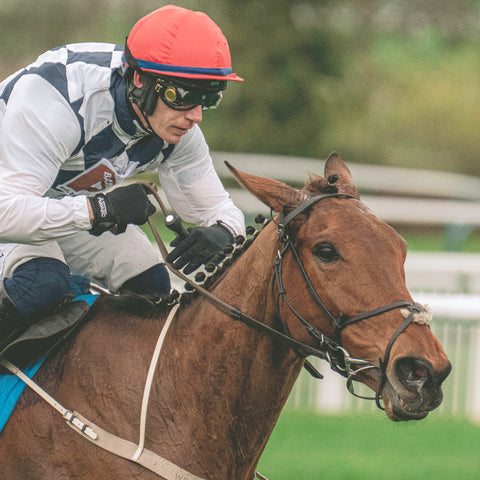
[{"x": 220, "y": 384}]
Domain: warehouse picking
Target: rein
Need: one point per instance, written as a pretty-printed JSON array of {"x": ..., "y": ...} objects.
[{"x": 329, "y": 350}]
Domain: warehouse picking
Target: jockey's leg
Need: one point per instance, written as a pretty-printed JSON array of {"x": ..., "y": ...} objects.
[
  {"x": 153, "y": 282},
  {"x": 122, "y": 262},
  {"x": 32, "y": 282},
  {"x": 12, "y": 324},
  {"x": 38, "y": 285}
]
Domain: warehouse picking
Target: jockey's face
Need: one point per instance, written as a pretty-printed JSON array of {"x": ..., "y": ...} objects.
[
  {"x": 172, "y": 125},
  {"x": 169, "y": 124}
]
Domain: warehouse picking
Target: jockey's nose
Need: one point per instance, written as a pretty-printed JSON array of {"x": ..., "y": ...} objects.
[{"x": 195, "y": 114}]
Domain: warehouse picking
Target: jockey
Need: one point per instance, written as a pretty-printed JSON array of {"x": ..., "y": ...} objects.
[{"x": 83, "y": 118}]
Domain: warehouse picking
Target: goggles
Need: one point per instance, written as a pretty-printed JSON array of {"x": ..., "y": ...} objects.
[{"x": 181, "y": 98}]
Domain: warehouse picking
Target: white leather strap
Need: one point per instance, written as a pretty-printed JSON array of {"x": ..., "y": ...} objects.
[
  {"x": 113, "y": 444},
  {"x": 148, "y": 382},
  {"x": 151, "y": 461},
  {"x": 71, "y": 418}
]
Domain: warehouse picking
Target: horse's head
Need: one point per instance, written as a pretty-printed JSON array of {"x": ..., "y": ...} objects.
[{"x": 340, "y": 273}]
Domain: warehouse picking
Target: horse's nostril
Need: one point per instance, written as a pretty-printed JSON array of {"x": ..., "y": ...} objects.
[
  {"x": 420, "y": 371},
  {"x": 412, "y": 372}
]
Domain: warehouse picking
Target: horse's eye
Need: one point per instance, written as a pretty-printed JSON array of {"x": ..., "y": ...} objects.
[{"x": 326, "y": 252}]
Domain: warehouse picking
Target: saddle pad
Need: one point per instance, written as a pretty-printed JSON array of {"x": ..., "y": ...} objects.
[{"x": 11, "y": 387}]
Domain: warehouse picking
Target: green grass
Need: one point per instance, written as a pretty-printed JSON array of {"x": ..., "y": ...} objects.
[{"x": 370, "y": 447}]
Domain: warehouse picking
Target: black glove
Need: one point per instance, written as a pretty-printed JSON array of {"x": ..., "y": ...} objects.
[
  {"x": 200, "y": 246},
  {"x": 115, "y": 210}
]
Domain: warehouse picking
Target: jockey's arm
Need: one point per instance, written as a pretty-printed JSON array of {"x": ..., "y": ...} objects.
[
  {"x": 194, "y": 189},
  {"x": 38, "y": 132}
]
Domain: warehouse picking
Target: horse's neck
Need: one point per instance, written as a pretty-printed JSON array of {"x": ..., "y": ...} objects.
[{"x": 238, "y": 379}]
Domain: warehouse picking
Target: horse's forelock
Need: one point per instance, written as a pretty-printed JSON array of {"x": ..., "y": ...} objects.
[{"x": 318, "y": 185}]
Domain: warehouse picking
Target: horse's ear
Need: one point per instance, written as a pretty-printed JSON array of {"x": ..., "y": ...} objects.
[
  {"x": 337, "y": 172},
  {"x": 276, "y": 195}
]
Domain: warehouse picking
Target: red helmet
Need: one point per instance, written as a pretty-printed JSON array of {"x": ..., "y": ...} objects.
[{"x": 178, "y": 42}]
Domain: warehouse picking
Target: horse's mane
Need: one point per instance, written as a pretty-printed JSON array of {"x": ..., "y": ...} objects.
[
  {"x": 148, "y": 308},
  {"x": 135, "y": 304}
]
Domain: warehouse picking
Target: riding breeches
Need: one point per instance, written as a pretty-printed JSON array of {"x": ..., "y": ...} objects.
[{"x": 112, "y": 261}]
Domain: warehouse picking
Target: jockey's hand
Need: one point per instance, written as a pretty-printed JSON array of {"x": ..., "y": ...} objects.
[
  {"x": 115, "y": 210},
  {"x": 200, "y": 246}
]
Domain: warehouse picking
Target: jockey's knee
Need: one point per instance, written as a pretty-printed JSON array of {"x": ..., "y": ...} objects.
[
  {"x": 37, "y": 285},
  {"x": 153, "y": 282}
]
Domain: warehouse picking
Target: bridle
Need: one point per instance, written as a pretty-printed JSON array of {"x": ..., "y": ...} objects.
[
  {"x": 334, "y": 353},
  {"x": 328, "y": 349}
]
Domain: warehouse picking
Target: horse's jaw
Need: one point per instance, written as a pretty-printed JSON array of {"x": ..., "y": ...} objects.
[{"x": 400, "y": 408}]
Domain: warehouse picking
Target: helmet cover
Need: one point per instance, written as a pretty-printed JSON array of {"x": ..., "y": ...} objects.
[{"x": 178, "y": 42}]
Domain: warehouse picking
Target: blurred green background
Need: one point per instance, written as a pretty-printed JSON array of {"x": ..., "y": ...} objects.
[
  {"x": 387, "y": 82},
  {"x": 307, "y": 446}
]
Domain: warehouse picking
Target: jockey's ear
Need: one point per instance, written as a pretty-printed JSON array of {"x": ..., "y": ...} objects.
[
  {"x": 344, "y": 182},
  {"x": 276, "y": 195},
  {"x": 137, "y": 79}
]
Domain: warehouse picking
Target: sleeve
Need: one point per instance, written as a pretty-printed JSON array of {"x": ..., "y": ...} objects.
[
  {"x": 194, "y": 189},
  {"x": 39, "y": 132}
]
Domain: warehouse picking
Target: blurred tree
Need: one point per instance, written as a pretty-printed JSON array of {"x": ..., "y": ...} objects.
[
  {"x": 28, "y": 28},
  {"x": 281, "y": 106}
]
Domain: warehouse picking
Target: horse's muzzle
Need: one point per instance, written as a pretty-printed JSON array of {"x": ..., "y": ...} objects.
[{"x": 415, "y": 389}]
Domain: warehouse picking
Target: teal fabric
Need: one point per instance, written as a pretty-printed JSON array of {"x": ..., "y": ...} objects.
[{"x": 11, "y": 387}]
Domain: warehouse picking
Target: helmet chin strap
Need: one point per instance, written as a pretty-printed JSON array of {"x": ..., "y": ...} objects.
[{"x": 141, "y": 118}]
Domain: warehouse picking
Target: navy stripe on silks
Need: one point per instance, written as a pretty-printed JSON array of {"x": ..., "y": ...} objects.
[
  {"x": 104, "y": 144},
  {"x": 53, "y": 73},
  {"x": 145, "y": 150},
  {"x": 102, "y": 59},
  {"x": 167, "y": 151},
  {"x": 178, "y": 69},
  {"x": 64, "y": 176},
  {"x": 122, "y": 112},
  {"x": 9, "y": 87},
  {"x": 76, "y": 109}
]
